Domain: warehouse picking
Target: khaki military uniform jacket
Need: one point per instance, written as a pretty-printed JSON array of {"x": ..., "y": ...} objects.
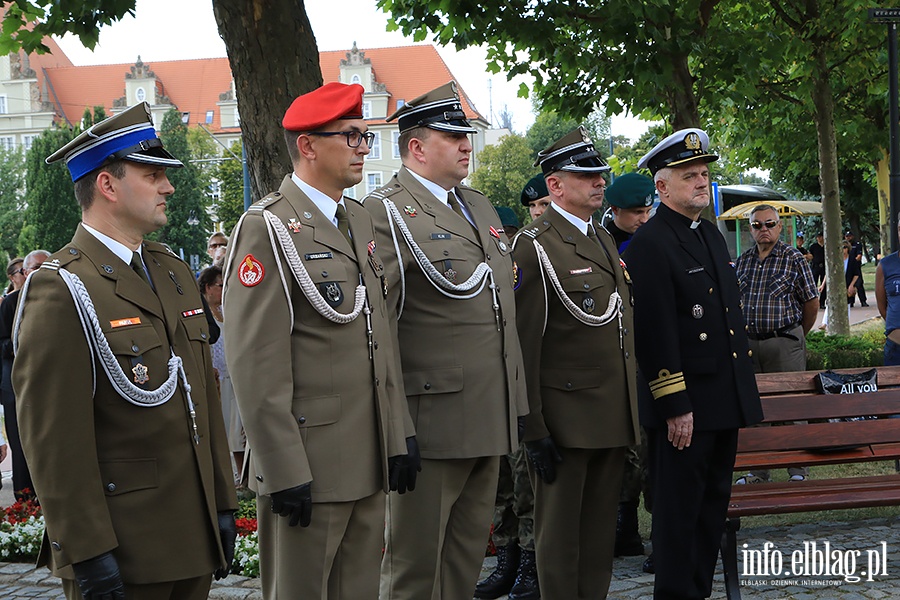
[
  {"x": 462, "y": 365},
  {"x": 112, "y": 476},
  {"x": 315, "y": 406},
  {"x": 581, "y": 378}
]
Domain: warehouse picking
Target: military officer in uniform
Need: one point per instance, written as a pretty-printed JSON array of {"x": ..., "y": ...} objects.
[
  {"x": 312, "y": 361},
  {"x": 630, "y": 199},
  {"x": 573, "y": 303},
  {"x": 693, "y": 351},
  {"x": 119, "y": 415},
  {"x": 535, "y": 197},
  {"x": 450, "y": 281}
]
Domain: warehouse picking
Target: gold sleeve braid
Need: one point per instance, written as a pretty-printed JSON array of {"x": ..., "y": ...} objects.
[{"x": 667, "y": 383}]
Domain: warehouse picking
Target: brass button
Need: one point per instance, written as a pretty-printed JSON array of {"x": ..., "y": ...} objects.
[
  {"x": 731, "y": 331},
  {"x": 734, "y": 354},
  {"x": 726, "y": 309},
  {"x": 710, "y": 291},
  {"x": 703, "y": 337},
  {"x": 749, "y": 352}
]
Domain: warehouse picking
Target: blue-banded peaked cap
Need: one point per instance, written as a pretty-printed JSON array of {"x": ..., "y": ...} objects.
[{"x": 129, "y": 135}]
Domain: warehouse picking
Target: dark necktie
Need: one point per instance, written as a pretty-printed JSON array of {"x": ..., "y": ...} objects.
[
  {"x": 138, "y": 265},
  {"x": 453, "y": 203},
  {"x": 343, "y": 223},
  {"x": 592, "y": 233}
]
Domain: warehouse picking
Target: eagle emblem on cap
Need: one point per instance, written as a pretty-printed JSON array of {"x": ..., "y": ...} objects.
[
  {"x": 531, "y": 193},
  {"x": 692, "y": 141}
]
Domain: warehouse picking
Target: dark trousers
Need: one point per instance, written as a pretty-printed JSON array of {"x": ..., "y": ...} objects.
[
  {"x": 21, "y": 475},
  {"x": 818, "y": 272},
  {"x": 692, "y": 488}
]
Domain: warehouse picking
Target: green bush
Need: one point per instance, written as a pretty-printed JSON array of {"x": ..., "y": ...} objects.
[{"x": 844, "y": 351}]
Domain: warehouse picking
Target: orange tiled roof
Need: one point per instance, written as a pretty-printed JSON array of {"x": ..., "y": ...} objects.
[{"x": 194, "y": 85}]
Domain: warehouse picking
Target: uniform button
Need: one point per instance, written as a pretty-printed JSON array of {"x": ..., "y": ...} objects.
[
  {"x": 377, "y": 382},
  {"x": 627, "y": 355},
  {"x": 504, "y": 321},
  {"x": 301, "y": 419},
  {"x": 587, "y": 287},
  {"x": 746, "y": 328},
  {"x": 110, "y": 487},
  {"x": 487, "y": 256},
  {"x": 624, "y": 332},
  {"x": 568, "y": 385},
  {"x": 375, "y": 344},
  {"x": 427, "y": 386},
  {"x": 731, "y": 331},
  {"x": 734, "y": 354},
  {"x": 703, "y": 337},
  {"x": 259, "y": 478},
  {"x": 726, "y": 309},
  {"x": 710, "y": 291},
  {"x": 55, "y": 545},
  {"x": 446, "y": 253},
  {"x": 324, "y": 273},
  {"x": 73, "y": 252},
  {"x": 134, "y": 348},
  {"x": 749, "y": 352},
  {"x": 568, "y": 238},
  {"x": 203, "y": 335}
]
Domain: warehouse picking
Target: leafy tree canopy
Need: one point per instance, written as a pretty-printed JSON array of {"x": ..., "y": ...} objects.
[{"x": 27, "y": 22}]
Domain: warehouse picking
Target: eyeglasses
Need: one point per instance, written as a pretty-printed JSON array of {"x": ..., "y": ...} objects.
[
  {"x": 768, "y": 224},
  {"x": 16, "y": 272},
  {"x": 215, "y": 245},
  {"x": 354, "y": 138}
]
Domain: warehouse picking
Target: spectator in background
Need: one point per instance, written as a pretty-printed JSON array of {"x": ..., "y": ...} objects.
[
  {"x": 210, "y": 282},
  {"x": 535, "y": 196},
  {"x": 23, "y": 488},
  {"x": 856, "y": 255},
  {"x": 217, "y": 247},
  {"x": 887, "y": 297},
  {"x": 509, "y": 220},
  {"x": 630, "y": 198},
  {"x": 780, "y": 303},
  {"x": 16, "y": 275},
  {"x": 802, "y": 249},
  {"x": 817, "y": 251},
  {"x": 851, "y": 277}
]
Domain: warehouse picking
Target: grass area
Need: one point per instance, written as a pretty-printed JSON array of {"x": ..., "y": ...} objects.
[{"x": 823, "y": 472}]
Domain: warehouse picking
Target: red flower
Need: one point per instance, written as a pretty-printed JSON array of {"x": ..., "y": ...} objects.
[{"x": 245, "y": 526}]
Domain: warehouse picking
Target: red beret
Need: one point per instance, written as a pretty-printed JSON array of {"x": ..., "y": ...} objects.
[{"x": 328, "y": 103}]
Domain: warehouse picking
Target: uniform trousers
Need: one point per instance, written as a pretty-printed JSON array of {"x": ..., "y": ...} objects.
[
  {"x": 575, "y": 523},
  {"x": 195, "y": 588},
  {"x": 436, "y": 536},
  {"x": 691, "y": 488},
  {"x": 335, "y": 558}
]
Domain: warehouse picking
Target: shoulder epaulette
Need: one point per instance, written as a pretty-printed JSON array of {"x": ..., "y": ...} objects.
[
  {"x": 382, "y": 193},
  {"x": 65, "y": 255},
  {"x": 160, "y": 247},
  {"x": 266, "y": 202}
]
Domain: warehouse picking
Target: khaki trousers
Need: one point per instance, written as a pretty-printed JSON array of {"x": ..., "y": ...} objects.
[
  {"x": 195, "y": 588},
  {"x": 335, "y": 558},
  {"x": 436, "y": 536}
]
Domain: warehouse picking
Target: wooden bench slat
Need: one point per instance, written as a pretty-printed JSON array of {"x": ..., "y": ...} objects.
[
  {"x": 807, "y": 407},
  {"x": 805, "y": 381},
  {"x": 804, "y": 496},
  {"x": 748, "y": 461},
  {"x": 819, "y": 435}
]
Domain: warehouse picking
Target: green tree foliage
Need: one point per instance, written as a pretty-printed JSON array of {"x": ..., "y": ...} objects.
[
  {"x": 230, "y": 174},
  {"x": 52, "y": 213},
  {"x": 12, "y": 202},
  {"x": 504, "y": 170},
  {"x": 189, "y": 221},
  {"x": 83, "y": 18}
]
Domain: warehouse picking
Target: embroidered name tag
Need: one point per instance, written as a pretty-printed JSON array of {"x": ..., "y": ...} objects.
[
  {"x": 695, "y": 270},
  {"x": 317, "y": 255},
  {"x": 191, "y": 313},
  {"x": 580, "y": 271},
  {"x": 440, "y": 236},
  {"x": 125, "y": 322}
]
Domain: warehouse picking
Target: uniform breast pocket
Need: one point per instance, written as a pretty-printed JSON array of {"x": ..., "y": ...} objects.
[
  {"x": 447, "y": 256},
  {"x": 333, "y": 282},
  {"x": 139, "y": 352},
  {"x": 198, "y": 333},
  {"x": 129, "y": 475},
  {"x": 588, "y": 290}
]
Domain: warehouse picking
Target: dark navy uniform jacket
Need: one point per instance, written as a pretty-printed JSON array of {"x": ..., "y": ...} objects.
[{"x": 690, "y": 340}]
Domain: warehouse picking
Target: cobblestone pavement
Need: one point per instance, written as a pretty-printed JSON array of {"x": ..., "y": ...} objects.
[{"x": 846, "y": 541}]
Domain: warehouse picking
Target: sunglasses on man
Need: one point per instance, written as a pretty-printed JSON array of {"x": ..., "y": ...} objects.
[{"x": 767, "y": 224}]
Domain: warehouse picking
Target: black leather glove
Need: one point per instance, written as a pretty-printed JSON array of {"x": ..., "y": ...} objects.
[
  {"x": 228, "y": 535},
  {"x": 295, "y": 502},
  {"x": 99, "y": 578},
  {"x": 403, "y": 469},
  {"x": 520, "y": 429},
  {"x": 544, "y": 456}
]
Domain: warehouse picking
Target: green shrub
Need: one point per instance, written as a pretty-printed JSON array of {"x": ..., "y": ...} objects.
[{"x": 844, "y": 351}]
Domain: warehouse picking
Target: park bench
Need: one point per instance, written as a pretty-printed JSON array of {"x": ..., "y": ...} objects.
[{"x": 790, "y": 397}]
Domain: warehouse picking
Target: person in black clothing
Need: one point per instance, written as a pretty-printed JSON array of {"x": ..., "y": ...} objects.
[
  {"x": 817, "y": 250},
  {"x": 856, "y": 254},
  {"x": 23, "y": 488},
  {"x": 630, "y": 199}
]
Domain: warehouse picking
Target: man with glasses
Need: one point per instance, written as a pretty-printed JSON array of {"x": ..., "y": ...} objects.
[
  {"x": 693, "y": 352},
  {"x": 309, "y": 348},
  {"x": 450, "y": 281},
  {"x": 217, "y": 247}
]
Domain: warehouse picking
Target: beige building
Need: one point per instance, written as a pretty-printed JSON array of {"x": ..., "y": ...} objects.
[{"x": 39, "y": 90}]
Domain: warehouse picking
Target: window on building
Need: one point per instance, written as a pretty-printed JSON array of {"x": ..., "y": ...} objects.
[
  {"x": 237, "y": 117},
  {"x": 400, "y": 103},
  {"x": 350, "y": 192},
  {"x": 7, "y": 142},
  {"x": 209, "y": 117},
  {"x": 140, "y": 94},
  {"x": 367, "y": 109},
  {"x": 395, "y": 143},
  {"x": 375, "y": 148},
  {"x": 373, "y": 182},
  {"x": 185, "y": 118},
  {"x": 28, "y": 140},
  {"x": 3, "y": 109}
]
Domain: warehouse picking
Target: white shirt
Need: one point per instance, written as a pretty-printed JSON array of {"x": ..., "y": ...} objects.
[
  {"x": 116, "y": 247},
  {"x": 579, "y": 223},
  {"x": 326, "y": 205},
  {"x": 441, "y": 194}
]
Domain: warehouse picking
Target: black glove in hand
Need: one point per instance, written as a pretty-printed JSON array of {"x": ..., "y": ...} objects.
[
  {"x": 295, "y": 502},
  {"x": 403, "y": 469},
  {"x": 520, "y": 429},
  {"x": 228, "y": 535},
  {"x": 544, "y": 456},
  {"x": 98, "y": 578}
]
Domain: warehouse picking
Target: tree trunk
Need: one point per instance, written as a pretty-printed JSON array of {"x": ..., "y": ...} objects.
[
  {"x": 274, "y": 59},
  {"x": 883, "y": 179},
  {"x": 838, "y": 323}
]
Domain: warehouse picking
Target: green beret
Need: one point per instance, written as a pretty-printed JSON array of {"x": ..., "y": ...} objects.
[
  {"x": 631, "y": 190},
  {"x": 535, "y": 189},
  {"x": 507, "y": 216}
]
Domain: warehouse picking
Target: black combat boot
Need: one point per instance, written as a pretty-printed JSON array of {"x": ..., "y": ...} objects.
[
  {"x": 526, "y": 586},
  {"x": 628, "y": 540},
  {"x": 501, "y": 580}
]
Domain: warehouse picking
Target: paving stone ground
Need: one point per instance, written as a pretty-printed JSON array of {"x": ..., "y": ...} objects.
[{"x": 847, "y": 541}]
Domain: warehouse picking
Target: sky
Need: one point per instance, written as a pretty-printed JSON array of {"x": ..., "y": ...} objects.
[{"x": 186, "y": 29}]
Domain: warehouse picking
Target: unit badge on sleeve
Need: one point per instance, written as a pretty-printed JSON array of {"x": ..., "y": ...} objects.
[{"x": 251, "y": 271}]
